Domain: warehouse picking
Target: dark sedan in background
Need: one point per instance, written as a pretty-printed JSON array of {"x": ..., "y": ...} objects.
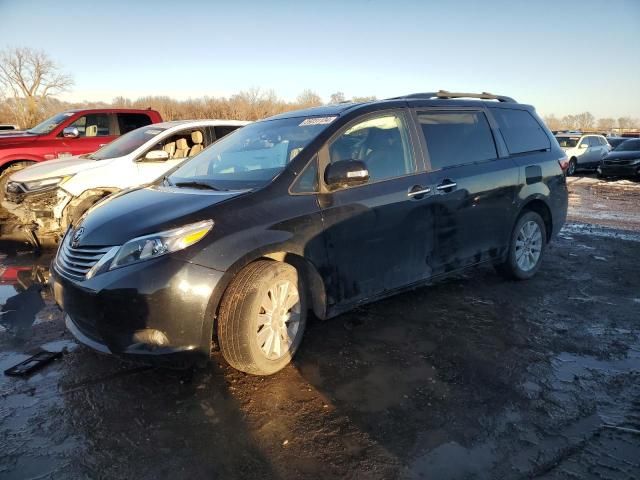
[{"x": 622, "y": 161}]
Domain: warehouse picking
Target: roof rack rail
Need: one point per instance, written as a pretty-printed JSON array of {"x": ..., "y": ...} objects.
[{"x": 444, "y": 94}]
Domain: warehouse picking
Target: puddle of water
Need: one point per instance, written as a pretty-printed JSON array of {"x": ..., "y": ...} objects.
[
  {"x": 452, "y": 460},
  {"x": 569, "y": 366}
]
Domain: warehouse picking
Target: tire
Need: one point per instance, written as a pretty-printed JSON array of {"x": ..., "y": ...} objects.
[
  {"x": 247, "y": 340},
  {"x": 518, "y": 267},
  {"x": 573, "y": 166}
]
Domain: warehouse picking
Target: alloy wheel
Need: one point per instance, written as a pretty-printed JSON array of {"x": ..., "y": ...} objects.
[
  {"x": 278, "y": 320},
  {"x": 528, "y": 246}
]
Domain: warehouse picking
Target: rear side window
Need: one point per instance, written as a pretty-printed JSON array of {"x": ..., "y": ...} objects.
[
  {"x": 131, "y": 121},
  {"x": 521, "y": 131},
  {"x": 457, "y": 138},
  {"x": 223, "y": 130}
]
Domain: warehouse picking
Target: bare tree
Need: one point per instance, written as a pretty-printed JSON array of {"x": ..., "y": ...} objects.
[
  {"x": 309, "y": 98},
  {"x": 607, "y": 124},
  {"x": 553, "y": 123},
  {"x": 337, "y": 97},
  {"x": 30, "y": 77},
  {"x": 625, "y": 123},
  {"x": 585, "y": 120},
  {"x": 569, "y": 121}
]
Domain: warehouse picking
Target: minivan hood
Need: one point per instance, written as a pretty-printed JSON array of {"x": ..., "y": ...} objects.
[
  {"x": 54, "y": 168},
  {"x": 147, "y": 210}
]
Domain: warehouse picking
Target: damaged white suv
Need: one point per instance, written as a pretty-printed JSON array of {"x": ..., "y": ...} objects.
[{"x": 47, "y": 197}]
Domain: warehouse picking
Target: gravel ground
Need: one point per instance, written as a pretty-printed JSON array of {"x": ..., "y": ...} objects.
[{"x": 473, "y": 377}]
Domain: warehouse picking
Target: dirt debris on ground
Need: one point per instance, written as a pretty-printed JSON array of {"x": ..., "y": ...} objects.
[{"x": 473, "y": 377}]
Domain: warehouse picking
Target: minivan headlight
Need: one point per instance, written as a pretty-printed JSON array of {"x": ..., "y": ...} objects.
[
  {"x": 158, "y": 244},
  {"x": 45, "y": 183}
]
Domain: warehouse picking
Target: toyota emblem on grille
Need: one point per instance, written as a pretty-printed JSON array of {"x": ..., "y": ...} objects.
[{"x": 76, "y": 237}]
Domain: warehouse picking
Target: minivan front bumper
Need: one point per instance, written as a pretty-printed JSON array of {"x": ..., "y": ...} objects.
[{"x": 156, "y": 311}]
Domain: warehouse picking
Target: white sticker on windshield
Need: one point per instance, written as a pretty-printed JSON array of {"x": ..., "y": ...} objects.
[
  {"x": 317, "y": 121},
  {"x": 152, "y": 132}
]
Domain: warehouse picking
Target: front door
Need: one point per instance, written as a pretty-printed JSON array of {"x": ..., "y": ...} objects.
[
  {"x": 95, "y": 130},
  {"x": 376, "y": 234}
]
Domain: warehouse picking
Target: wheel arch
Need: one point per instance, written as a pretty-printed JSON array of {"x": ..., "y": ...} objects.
[
  {"x": 539, "y": 206},
  {"x": 314, "y": 286},
  {"x": 9, "y": 163}
]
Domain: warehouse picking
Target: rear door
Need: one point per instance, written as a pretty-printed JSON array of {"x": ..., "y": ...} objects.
[
  {"x": 474, "y": 187},
  {"x": 130, "y": 121},
  {"x": 376, "y": 234},
  {"x": 95, "y": 130}
]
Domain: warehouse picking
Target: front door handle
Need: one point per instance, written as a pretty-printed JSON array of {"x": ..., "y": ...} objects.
[
  {"x": 446, "y": 185},
  {"x": 418, "y": 191}
]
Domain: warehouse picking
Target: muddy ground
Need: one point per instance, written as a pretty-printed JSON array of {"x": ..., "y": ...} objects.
[{"x": 473, "y": 377}]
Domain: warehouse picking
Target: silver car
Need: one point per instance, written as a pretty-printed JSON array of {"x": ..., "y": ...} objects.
[{"x": 585, "y": 151}]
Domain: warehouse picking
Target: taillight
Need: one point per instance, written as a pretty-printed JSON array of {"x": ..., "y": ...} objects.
[{"x": 564, "y": 163}]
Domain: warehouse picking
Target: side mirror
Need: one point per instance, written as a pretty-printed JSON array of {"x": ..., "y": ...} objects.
[
  {"x": 583, "y": 145},
  {"x": 346, "y": 173},
  {"x": 157, "y": 156},
  {"x": 70, "y": 132}
]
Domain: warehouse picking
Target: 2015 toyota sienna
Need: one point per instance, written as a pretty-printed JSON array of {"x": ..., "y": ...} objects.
[{"x": 320, "y": 209}]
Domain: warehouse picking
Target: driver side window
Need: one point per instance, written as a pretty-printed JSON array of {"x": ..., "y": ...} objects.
[
  {"x": 382, "y": 143},
  {"x": 92, "y": 125}
]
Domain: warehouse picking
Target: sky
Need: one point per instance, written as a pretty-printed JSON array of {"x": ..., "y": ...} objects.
[{"x": 562, "y": 56}]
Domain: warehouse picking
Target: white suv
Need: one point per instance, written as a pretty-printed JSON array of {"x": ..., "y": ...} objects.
[
  {"x": 47, "y": 197},
  {"x": 583, "y": 150}
]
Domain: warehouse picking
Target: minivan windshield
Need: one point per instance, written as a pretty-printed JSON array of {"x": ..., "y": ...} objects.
[
  {"x": 50, "y": 123},
  {"x": 568, "y": 142},
  {"x": 628, "y": 146},
  {"x": 126, "y": 144},
  {"x": 251, "y": 156}
]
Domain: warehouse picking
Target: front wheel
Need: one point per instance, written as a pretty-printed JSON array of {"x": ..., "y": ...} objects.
[
  {"x": 528, "y": 242},
  {"x": 573, "y": 166},
  {"x": 262, "y": 317}
]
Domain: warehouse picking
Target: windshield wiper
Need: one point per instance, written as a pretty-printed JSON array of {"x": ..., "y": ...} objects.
[{"x": 195, "y": 184}]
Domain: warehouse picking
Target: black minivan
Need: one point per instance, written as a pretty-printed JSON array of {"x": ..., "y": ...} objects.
[{"x": 321, "y": 209}]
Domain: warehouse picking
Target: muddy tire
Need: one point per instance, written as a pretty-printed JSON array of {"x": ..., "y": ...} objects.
[
  {"x": 262, "y": 317},
  {"x": 526, "y": 248}
]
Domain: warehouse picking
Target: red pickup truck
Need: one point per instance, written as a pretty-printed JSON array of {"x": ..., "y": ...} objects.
[{"x": 69, "y": 133}]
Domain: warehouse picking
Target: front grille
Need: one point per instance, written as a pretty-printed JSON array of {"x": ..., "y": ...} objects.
[
  {"x": 76, "y": 262},
  {"x": 617, "y": 162}
]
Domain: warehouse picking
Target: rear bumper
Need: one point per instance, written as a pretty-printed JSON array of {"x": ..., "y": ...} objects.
[{"x": 156, "y": 311}]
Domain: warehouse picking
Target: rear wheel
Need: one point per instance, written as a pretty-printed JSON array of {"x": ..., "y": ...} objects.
[
  {"x": 528, "y": 242},
  {"x": 262, "y": 317},
  {"x": 573, "y": 165}
]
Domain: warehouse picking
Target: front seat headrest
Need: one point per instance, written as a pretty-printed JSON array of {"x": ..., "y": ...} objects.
[{"x": 196, "y": 137}]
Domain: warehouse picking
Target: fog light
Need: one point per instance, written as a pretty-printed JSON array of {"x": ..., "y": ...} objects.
[{"x": 150, "y": 336}]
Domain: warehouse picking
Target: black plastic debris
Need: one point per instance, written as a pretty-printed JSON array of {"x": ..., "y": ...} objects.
[{"x": 33, "y": 363}]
